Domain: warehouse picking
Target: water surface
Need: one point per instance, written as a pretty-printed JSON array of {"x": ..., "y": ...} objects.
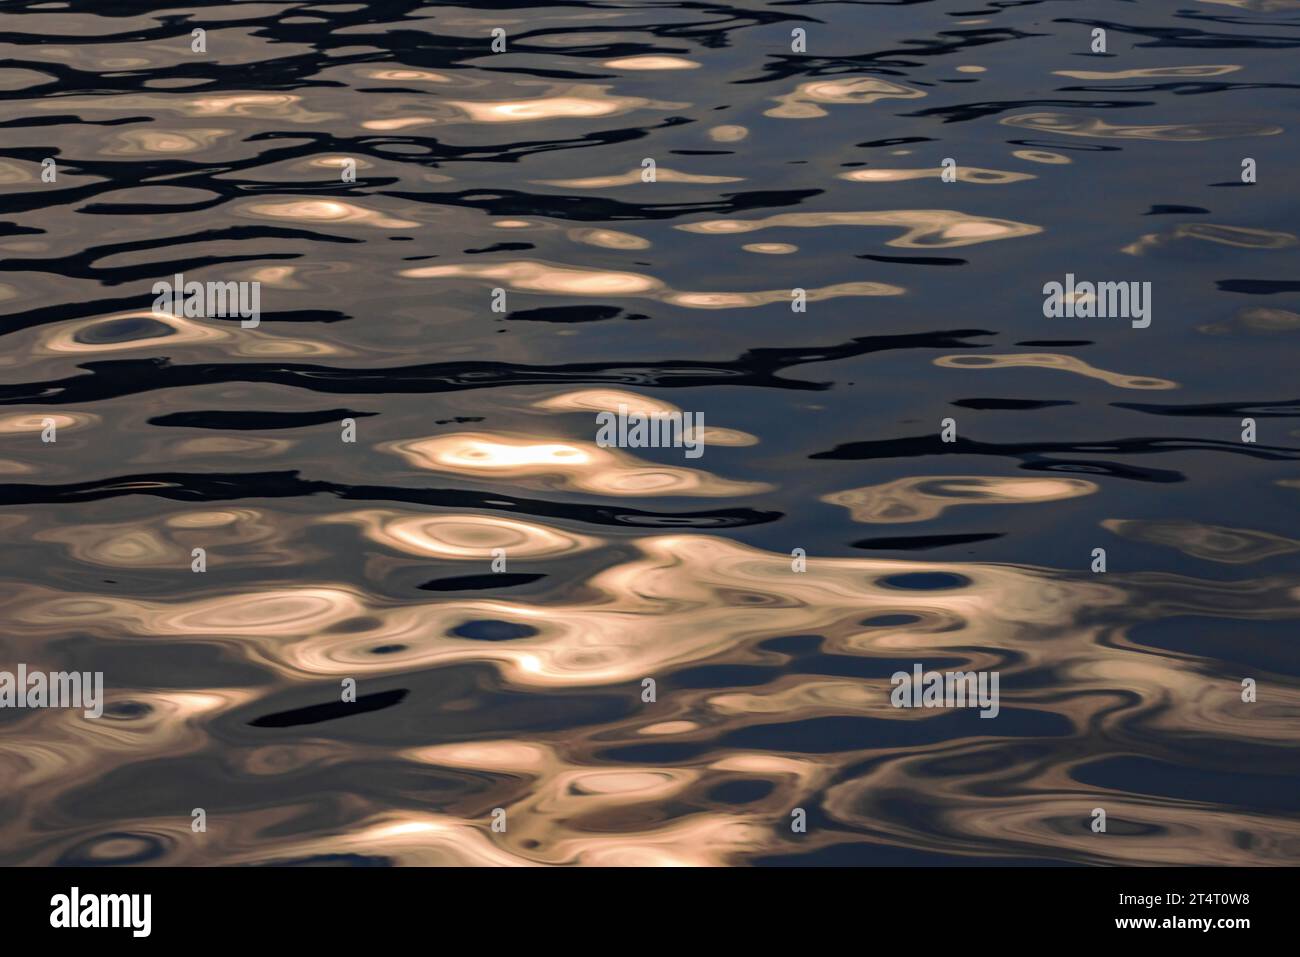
[{"x": 521, "y": 688}]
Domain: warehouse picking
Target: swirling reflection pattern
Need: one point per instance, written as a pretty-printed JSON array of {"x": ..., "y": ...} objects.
[{"x": 394, "y": 480}]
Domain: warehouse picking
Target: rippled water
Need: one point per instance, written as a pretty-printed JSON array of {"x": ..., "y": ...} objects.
[{"x": 522, "y": 689}]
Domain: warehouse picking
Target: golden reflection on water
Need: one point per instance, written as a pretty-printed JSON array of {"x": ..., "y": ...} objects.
[
  {"x": 465, "y": 537},
  {"x": 1042, "y": 156},
  {"x": 610, "y": 400},
  {"x": 526, "y": 276},
  {"x": 150, "y": 142},
  {"x": 922, "y": 228},
  {"x": 728, "y": 133},
  {"x": 662, "y": 174},
  {"x": 249, "y": 536},
  {"x": 1070, "y": 125},
  {"x": 679, "y": 599},
  {"x": 326, "y": 211},
  {"x": 1053, "y": 361},
  {"x": 964, "y": 174},
  {"x": 608, "y": 239},
  {"x": 31, "y": 423},
  {"x": 1256, "y": 320},
  {"x": 652, "y": 63},
  {"x": 401, "y": 76},
  {"x": 144, "y": 330},
  {"x": 286, "y": 107},
  {"x": 1243, "y": 237},
  {"x": 570, "y": 464},
  {"x": 573, "y": 102},
  {"x": 1154, "y": 71},
  {"x": 922, "y": 497},
  {"x": 1235, "y": 546},
  {"x": 805, "y": 102},
  {"x": 545, "y": 277}
]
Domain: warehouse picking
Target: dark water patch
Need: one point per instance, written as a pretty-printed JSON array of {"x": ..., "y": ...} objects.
[
  {"x": 196, "y": 487},
  {"x": 480, "y": 582},
  {"x": 851, "y": 854},
  {"x": 1017, "y": 405},
  {"x": 1258, "y": 287},
  {"x": 889, "y": 621},
  {"x": 127, "y": 710},
  {"x": 351, "y": 626},
  {"x": 329, "y": 860},
  {"x": 122, "y": 330},
  {"x": 571, "y": 314},
  {"x": 758, "y": 367},
  {"x": 915, "y": 260},
  {"x": 252, "y": 421},
  {"x": 1229, "y": 785},
  {"x": 1166, "y": 210},
  {"x": 488, "y": 630},
  {"x": 501, "y": 248},
  {"x": 724, "y": 676},
  {"x": 1056, "y": 343},
  {"x": 331, "y": 711},
  {"x": 1278, "y": 409},
  {"x": 831, "y": 734},
  {"x": 866, "y": 667},
  {"x": 659, "y": 753},
  {"x": 924, "y": 581},
  {"x": 1246, "y": 647},
  {"x": 923, "y": 542},
  {"x": 740, "y": 792}
]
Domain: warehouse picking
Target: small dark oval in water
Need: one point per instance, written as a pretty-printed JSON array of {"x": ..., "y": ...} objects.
[
  {"x": 349, "y": 625},
  {"x": 885, "y": 621},
  {"x": 924, "y": 581},
  {"x": 741, "y": 792},
  {"x": 127, "y": 710},
  {"x": 122, "y": 330},
  {"x": 491, "y": 630}
]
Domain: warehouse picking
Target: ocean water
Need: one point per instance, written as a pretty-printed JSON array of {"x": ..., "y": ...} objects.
[{"x": 364, "y": 583}]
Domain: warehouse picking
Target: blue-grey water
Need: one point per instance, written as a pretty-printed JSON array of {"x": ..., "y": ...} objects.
[{"x": 364, "y": 586}]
